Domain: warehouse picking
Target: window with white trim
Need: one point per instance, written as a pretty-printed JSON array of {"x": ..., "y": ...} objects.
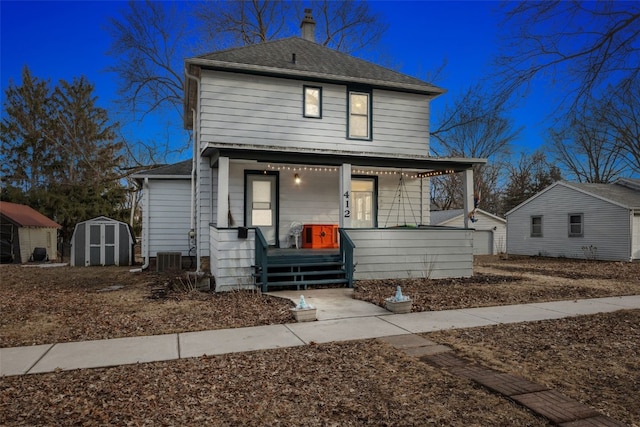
[
  {"x": 576, "y": 225},
  {"x": 536, "y": 226}
]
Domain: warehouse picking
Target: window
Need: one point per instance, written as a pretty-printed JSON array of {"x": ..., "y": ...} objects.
[
  {"x": 536, "y": 226},
  {"x": 575, "y": 225},
  {"x": 312, "y": 102},
  {"x": 359, "y": 111}
]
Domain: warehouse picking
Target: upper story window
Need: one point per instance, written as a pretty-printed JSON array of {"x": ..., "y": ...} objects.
[
  {"x": 576, "y": 226},
  {"x": 312, "y": 102},
  {"x": 359, "y": 115},
  {"x": 536, "y": 226}
]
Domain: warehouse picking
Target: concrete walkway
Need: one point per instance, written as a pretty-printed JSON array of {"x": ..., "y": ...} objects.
[{"x": 340, "y": 318}]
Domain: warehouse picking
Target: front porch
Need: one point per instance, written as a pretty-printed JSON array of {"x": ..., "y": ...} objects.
[
  {"x": 424, "y": 252},
  {"x": 379, "y": 205}
]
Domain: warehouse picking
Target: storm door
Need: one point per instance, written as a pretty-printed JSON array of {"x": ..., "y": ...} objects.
[
  {"x": 261, "y": 203},
  {"x": 364, "y": 191}
]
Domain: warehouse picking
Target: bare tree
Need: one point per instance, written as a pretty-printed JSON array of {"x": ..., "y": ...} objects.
[
  {"x": 530, "y": 175},
  {"x": 242, "y": 23},
  {"x": 348, "y": 26},
  {"x": 622, "y": 118},
  {"x": 580, "y": 47},
  {"x": 149, "y": 44},
  {"x": 476, "y": 124},
  {"x": 587, "y": 147},
  {"x": 447, "y": 190}
]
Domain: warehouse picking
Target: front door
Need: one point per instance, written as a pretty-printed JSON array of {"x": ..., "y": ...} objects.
[
  {"x": 261, "y": 204},
  {"x": 364, "y": 193}
]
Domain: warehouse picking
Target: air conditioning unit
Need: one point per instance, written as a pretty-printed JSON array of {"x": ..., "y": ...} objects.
[{"x": 166, "y": 261}]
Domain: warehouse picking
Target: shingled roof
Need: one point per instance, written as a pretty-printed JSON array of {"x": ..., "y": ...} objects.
[
  {"x": 298, "y": 58},
  {"x": 180, "y": 170},
  {"x": 25, "y": 216},
  {"x": 618, "y": 192},
  {"x": 295, "y": 56}
]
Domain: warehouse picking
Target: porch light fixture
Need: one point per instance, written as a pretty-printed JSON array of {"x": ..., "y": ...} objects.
[{"x": 297, "y": 179}]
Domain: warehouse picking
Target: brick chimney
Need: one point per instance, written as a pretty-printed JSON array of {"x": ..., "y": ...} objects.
[{"x": 308, "y": 26}]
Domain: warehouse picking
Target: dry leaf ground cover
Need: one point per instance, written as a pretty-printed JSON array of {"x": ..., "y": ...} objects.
[
  {"x": 593, "y": 359},
  {"x": 347, "y": 384},
  {"x": 49, "y": 305},
  {"x": 516, "y": 280}
]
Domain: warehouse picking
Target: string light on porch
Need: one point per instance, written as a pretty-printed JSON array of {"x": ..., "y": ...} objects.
[
  {"x": 379, "y": 173},
  {"x": 412, "y": 175},
  {"x": 436, "y": 173},
  {"x": 301, "y": 168}
]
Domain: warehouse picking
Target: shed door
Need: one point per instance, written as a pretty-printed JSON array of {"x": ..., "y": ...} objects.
[
  {"x": 483, "y": 242},
  {"x": 102, "y": 244}
]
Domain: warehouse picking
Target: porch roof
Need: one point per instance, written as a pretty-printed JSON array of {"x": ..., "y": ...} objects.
[{"x": 337, "y": 158}]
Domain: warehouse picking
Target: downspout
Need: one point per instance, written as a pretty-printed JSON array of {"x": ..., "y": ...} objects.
[
  {"x": 194, "y": 167},
  {"x": 145, "y": 234},
  {"x": 147, "y": 214}
]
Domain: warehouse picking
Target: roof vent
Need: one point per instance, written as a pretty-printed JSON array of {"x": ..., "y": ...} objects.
[{"x": 308, "y": 26}]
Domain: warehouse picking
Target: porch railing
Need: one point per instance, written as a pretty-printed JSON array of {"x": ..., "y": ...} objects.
[
  {"x": 262, "y": 260},
  {"x": 346, "y": 254}
]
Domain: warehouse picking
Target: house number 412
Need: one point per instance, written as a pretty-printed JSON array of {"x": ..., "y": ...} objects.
[{"x": 347, "y": 210}]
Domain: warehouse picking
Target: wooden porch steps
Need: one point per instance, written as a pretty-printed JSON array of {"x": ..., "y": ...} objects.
[{"x": 301, "y": 270}]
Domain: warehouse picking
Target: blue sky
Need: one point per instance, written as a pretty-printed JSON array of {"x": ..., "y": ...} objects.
[{"x": 63, "y": 40}]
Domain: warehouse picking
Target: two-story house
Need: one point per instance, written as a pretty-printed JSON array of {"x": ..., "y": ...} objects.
[{"x": 300, "y": 146}]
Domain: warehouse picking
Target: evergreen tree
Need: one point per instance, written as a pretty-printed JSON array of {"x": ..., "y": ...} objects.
[{"x": 60, "y": 151}]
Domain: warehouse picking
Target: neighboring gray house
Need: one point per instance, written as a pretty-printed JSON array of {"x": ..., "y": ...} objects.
[
  {"x": 490, "y": 235},
  {"x": 594, "y": 221},
  {"x": 291, "y": 135}
]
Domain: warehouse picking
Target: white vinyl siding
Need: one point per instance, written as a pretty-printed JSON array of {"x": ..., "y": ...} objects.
[
  {"x": 266, "y": 111},
  {"x": 231, "y": 259},
  {"x": 606, "y": 226},
  {"x": 407, "y": 253},
  {"x": 316, "y": 199},
  {"x": 169, "y": 202}
]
